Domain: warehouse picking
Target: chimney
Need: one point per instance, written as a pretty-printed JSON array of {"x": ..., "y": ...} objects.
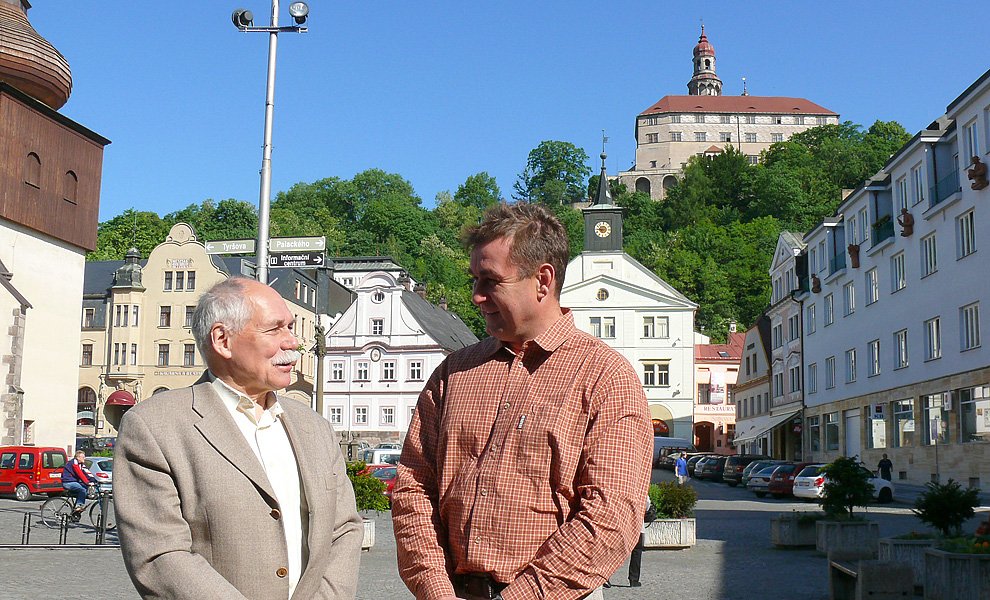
[
  {"x": 404, "y": 280},
  {"x": 443, "y": 303},
  {"x": 421, "y": 290}
]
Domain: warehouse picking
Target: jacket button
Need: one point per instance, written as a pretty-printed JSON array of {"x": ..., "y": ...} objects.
[
  {"x": 282, "y": 572},
  {"x": 276, "y": 514}
]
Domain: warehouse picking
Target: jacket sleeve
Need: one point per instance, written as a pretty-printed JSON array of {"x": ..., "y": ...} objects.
[
  {"x": 420, "y": 534},
  {"x": 156, "y": 542}
]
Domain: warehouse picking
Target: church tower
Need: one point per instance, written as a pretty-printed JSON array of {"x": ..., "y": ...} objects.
[
  {"x": 704, "y": 82},
  {"x": 603, "y": 219}
]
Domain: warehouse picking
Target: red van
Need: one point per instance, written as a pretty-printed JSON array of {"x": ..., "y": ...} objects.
[{"x": 26, "y": 470}]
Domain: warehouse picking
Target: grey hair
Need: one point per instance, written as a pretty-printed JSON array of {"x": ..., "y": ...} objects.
[{"x": 225, "y": 302}]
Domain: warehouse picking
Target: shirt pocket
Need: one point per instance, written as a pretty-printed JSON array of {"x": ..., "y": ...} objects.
[{"x": 533, "y": 451}]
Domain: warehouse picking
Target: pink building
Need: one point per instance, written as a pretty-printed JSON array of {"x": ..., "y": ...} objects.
[{"x": 716, "y": 370}]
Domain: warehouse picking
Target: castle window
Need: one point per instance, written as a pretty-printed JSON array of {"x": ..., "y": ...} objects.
[
  {"x": 70, "y": 185},
  {"x": 32, "y": 170}
]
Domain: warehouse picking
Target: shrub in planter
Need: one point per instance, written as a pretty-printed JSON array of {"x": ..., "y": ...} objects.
[
  {"x": 847, "y": 486},
  {"x": 673, "y": 501},
  {"x": 674, "y": 526},
  {"x": 369, "y": 492},
  {"x": 946, "y": 506},
  {"x": 794, "y": 529}
]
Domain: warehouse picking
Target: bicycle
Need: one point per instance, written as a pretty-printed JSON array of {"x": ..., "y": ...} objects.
[{"x": 53, "y": 509}]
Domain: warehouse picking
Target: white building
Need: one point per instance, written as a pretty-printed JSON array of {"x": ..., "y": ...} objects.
[
  {"x": 893, "y": 352},
  {"x": 619, "y": 300},
  {"x": 752, "y": 392}
]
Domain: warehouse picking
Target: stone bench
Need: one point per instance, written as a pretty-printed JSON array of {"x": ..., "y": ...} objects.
[{"x": 855, "y": 577}]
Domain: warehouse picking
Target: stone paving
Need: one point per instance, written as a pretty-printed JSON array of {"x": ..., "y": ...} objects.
[{"x": 732, "y": 561}]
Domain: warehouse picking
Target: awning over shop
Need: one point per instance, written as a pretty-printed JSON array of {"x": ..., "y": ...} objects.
[
  {"x": 750, "y": 429},
  {"x": 120, "y": 398}
]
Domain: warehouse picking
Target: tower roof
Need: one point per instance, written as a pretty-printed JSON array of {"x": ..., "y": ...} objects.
[
  {"x": 27, "y": 61},
  {"x": 704, "y": 46},
  {"x": 603, "y": 196}
]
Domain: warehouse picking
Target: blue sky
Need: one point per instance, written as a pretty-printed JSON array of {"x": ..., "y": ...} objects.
[{"x": 437, "y": 91}]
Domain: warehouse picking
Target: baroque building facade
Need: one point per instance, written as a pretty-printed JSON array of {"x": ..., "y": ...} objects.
[{"x": 717, "y": 373}]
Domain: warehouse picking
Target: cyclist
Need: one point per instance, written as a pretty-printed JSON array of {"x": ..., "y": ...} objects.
[{"x": 75, "y": 479}]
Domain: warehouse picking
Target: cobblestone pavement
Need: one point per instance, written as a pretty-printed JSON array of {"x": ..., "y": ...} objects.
[{"x": 733, "y": 560}]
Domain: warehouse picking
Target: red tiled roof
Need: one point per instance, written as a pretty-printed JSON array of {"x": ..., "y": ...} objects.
[
  {"x": 710, "y": 352},
  {"x": 736, "y": 104},
  {"x": 713, "y": 149}
]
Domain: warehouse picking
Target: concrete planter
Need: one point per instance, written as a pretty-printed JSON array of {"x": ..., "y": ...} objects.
[
  {"x": 670, "y": 534},
  {"x": 791, "y": 531},
  {"x": 861, "y": 537},
  {"x": 906, "y": 551},
  {"x": 952, "y": 576},
  {"x": 369, "y": 535}
]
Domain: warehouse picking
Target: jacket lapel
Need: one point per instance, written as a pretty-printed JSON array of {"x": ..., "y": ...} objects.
[{"x": 222, "y": 433}]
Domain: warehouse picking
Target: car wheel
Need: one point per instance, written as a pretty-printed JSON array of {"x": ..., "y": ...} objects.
[
  {"x": 760, "y": 494},
  {"x": 885, "y": 496},
  {"x": 22, "y": 492}
]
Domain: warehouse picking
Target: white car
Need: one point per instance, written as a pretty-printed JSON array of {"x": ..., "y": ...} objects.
[
  {"x": 809, "y": 483},
  {"x": 760, "y": 481}
]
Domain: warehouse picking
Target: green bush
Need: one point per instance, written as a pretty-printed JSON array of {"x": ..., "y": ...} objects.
[
  {"x": 369, "y": 491},
  {"x": 847, "y": 485},
  {"x": 104, "y": 453},
  {"x": 946, "y": 506},
  {"x": 673, "y": 501}
]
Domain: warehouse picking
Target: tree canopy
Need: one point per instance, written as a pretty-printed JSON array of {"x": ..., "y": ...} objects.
[{"x": 556, "y": 174}]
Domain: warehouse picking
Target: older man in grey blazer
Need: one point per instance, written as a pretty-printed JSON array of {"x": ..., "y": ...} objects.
[{"x": 222, "y": 489}]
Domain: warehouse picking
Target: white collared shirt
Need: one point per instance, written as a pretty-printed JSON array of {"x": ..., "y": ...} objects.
[{"x": 267, "y": 438}]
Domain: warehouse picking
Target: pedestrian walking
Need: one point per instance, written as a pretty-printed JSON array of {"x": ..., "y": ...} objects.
[
  {"x": 680, "y": 469},
  {"x": 885, "y": 467}
]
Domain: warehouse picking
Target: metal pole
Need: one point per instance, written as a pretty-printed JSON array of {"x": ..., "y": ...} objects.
[{"x": 264, "y": 201}]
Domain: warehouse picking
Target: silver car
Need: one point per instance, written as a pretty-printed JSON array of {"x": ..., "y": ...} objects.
[
  {"x": 759, "y": 482},
  {"x": 102, "y": 468}
]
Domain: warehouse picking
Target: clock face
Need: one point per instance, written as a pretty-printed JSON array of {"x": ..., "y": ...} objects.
[{"x": 603, "y": 229}]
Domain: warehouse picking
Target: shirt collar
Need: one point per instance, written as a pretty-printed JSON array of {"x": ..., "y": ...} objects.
[
  {"x": 236, "y": 401},
  {"x": 551, "y": 339}
]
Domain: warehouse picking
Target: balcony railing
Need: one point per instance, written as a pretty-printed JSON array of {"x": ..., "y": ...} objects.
[
  {"x": 882, "y": 230},
  {"x": 945, "y": 187},
  {"x": 837, "y": 263}
]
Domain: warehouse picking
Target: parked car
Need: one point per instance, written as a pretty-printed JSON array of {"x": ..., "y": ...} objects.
[
  {"x": 386, "y": 473},
  {"x": 388, "y": 446},
  {"x": 663, "y": 446},
  {"x": 782, "y": 480},
  {"x": 809, "y": 484},
  {"x": 712, "y": 468},
  {"x": 692, "y": 463},
  {"x": 755, "y": 467},
  {"x": 381, "y": 456},
  {"x": 759, "y": 482},
  {"x": 27, "y": 470},
  {"x": 734, "y": 465},
  {"x": 102, "y": 468}
]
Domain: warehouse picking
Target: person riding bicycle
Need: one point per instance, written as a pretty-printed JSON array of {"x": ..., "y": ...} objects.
[{"x": 75, "y": 479}]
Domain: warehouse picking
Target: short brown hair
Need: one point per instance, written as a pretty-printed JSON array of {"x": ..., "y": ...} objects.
[{"x": 536, "y": 235}]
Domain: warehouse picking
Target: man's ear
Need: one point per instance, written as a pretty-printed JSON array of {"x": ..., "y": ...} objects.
[
  {"x": 220, "y": 340},
  {"x": 545, "y": 281}
]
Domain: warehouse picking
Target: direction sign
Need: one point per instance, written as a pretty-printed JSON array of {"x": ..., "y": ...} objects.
[
  {"x": 302, "y": 244},
  {"x": 295, "y": 259},
  {"x": 230, "y": 247}
]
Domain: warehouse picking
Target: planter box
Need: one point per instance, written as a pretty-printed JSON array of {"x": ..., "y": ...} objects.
[
  {"x": 861, "y": 537},
  {"x": 788, "y": 531},
  {"x": 369, "y": 535},
  {"x": 952, "y": 576},
  {"x": 670, "y": 533},
  {"x": 907, "y": 551}
]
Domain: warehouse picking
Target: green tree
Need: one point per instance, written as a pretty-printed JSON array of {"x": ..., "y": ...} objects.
[
  {"x": 140, "y": 229},
  {"x": 479, "y": 191},
  {"x": 229, "y": 220},
  {"x": 555, "y": 174}
]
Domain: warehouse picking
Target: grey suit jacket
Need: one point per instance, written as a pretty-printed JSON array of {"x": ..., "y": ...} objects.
[{"x": 198, "y": 518}]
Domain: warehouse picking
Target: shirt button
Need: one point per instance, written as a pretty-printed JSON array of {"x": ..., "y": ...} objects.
[
  {"x": 282, "y": 572},
  {"x": 477, "y": 540},
  {"x": 276, "y": 514},
  {"x": 484, "y": 492},
  {"x": 506, "y": 405},
  {"x": 494, "y": 445}
]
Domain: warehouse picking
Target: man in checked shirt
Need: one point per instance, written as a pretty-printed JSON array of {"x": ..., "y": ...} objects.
[{"x": 525, "y": 466}]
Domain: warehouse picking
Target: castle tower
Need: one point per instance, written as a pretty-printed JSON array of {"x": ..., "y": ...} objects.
[{"x": 704, "y": 82}]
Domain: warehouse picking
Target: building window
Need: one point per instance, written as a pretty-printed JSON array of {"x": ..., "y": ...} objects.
[
  {"x": 675, "y": 136},
  {"x": 134, "y": 354},
  {"x": 699, "y": 136},
  {"x": 969, "y": 326},
  {"x": 794, "y": 374},
  {"x": 190, "y": 281},
  {"x": 750, "y": 119},
  {"x": 725, "y": 136},
  {"x": 378, "y": 297},
  {"x": 829, "y": 372},
  {"x": 814, "y": 434},
  {"x": 652, "y": 138},
  {"x": 874, "y": 356},
  {"x": 116, "y": 354},
  {"x": 165, "y": 316},
  {"x": 168, "y": 281},
  {"x": 649, "y": 327},
  {"x": 89, "y": 315},
  {"x": 416, "y": 370},
  {"x": 848, "y": 299},
  {"x": 933, "y": 339},
  {"x": 778, "y": 336},
  {"x": 336, "y": 371},
  {"x": 189, "y": 315},
  {"x": 189, "y": 355},
  {"x": 134, "y": 312},
  {"x": 965, "y": 235},
  {"x": 753, "y": 159},
  {"x": 813, "y": 378},
  {"x": 675, "y": 118},
  {"x": 917, "y": 184},
  {"x": 799, "y": 119},
  {"x": 336, "y": 415},
  {"x": 872, "y": 286},
  {"x": 810, "y": 318},
  {"x": 602, "y": 295},
  {"x": 903, "y": 423},
  {"x": 388, "y": 370},
  {"x": 656, "y": 374},
  {"x": 162, "y": 355},
  {"x": 901, "y": 194},
  {"x": 361, "y": 371},
  {"x": 87, "y": 355},
  {"x": 972, "y": 140},
  {"x": 929, "y": 257},
  {"x": 360, "y": 415},
  {"x": 850, "y": 365},
  {"x": 821, "y": 120},
  {"x": 750, "y": 138},
  {"x": 974, "y": 408},
  {"x": 876, "y": 427},
  {"x": 776, "y": 138},
  {"x": 377, "y": 326},
  {"x": 32, "y": 170},
  {"x": 180, "y": 280},
  {"x": 793, "y": 328},
  {"x": 829, "y": 311},
  {"x": 898, "y": 278},
  {"x": 901, "y": 349},
  {"x": 603, "y": 327},
  {"x": 852, "y": 231},
  {"x": 778, "y": 385},
  {"x": 388, "y": 416},
  {"x": 831, "y": 431},
  {"x": 936, "y": 421}
]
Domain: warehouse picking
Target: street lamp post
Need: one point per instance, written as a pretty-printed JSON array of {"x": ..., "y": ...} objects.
[{"x": 244, "y": 21}]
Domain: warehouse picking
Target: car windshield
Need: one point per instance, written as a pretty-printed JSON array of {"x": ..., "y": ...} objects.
[
  {"x": 386, "y": 473},
  {"x": 810, "y": 471},
  {"x": 106, "y": 465},
  {"x": 768, "y": 471}
]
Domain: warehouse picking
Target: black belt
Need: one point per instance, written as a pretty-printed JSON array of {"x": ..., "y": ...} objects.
[{"x": 480, "y": 585}]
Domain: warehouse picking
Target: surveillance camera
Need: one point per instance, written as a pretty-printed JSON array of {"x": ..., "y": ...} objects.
[
  {"x": 299, "y": 11},
  {"x": 242, "y": 18}
]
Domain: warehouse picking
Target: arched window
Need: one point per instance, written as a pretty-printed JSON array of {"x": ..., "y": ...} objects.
[
  {"x": 70, "y": 185},
  {"x": 643, "y": 185},
  {"x": 86, "y": 407},
  {"x": 32, "y": 170},
  {"x": 708, "y": 64},
  {"x": 668, "y": 182}
]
